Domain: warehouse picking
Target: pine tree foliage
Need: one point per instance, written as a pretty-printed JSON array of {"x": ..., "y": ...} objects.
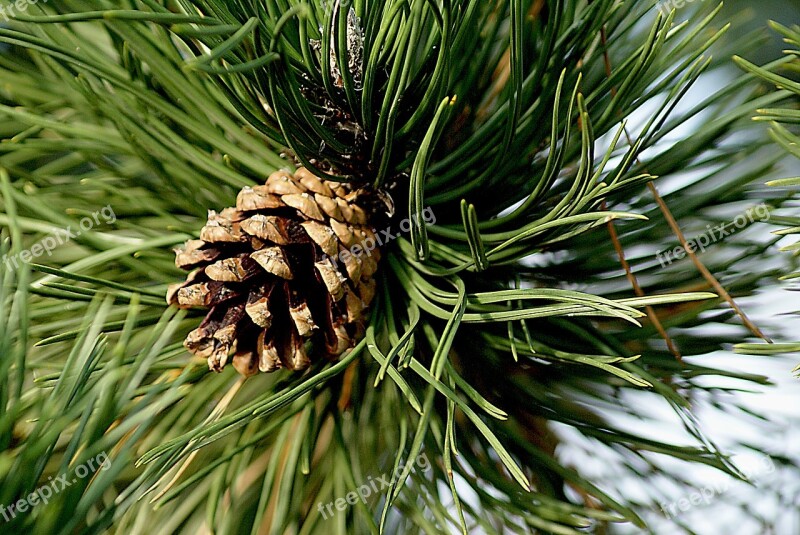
[
  {"x": 784, "y": 132},
  {"x": 529, "y": 128}
]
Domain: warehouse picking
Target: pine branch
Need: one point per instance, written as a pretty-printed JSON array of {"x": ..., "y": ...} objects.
[{"x": 501, "y": 332}]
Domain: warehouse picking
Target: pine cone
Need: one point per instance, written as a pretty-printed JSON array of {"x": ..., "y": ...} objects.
[{"x": 280, "y": 274}]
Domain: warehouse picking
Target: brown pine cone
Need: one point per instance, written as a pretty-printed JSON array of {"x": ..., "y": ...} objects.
[{"x": 288, "y": 274}]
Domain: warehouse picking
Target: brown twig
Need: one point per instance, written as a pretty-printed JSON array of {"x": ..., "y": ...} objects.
[
  {"x": 673, "y": 224},
  {"x": 651, "y": 314},
  {"x": 347, "y": 386},
  {"x": 612, "y": 230},
  {"x": 712, "y": 280}
]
